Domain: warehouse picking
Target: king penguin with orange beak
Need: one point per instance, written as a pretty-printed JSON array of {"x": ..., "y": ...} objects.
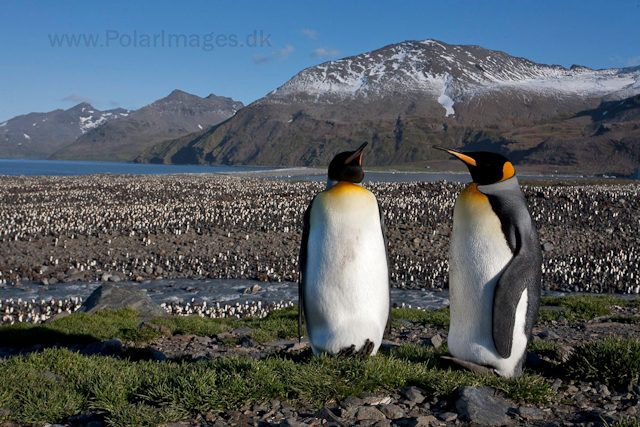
[
  {"x": 344, "y": 293},
  {"x": 494, "y": 267}
]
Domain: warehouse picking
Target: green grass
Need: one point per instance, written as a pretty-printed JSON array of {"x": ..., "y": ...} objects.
[
  {"x": 624, "y": 422},
  {"x": 147, "y": 393},
  {"x": 123, "y": 324},
  {"x": 580, "y": 307},
  {"x": 542, "y": 346},
  {"x": 131, "y": 392},
  {"x": 438, "y": 317},
  {"x": 611, "y": 361},
  {"x": 78, "y": 328}
]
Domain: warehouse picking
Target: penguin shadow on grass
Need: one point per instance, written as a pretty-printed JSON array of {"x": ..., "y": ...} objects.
[{"x": 35, "y": 339}]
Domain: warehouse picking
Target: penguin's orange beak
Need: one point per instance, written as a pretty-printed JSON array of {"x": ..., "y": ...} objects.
[
  {"x": 468, "y": 160},
  {"x": 356, "y": 155}
]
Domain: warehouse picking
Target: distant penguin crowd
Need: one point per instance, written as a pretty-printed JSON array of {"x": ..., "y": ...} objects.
[
  {"x": 131, "y": 228},
  {"x": 18, "y": 310}
]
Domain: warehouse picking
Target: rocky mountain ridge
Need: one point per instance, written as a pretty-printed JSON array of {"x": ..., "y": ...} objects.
[
  {"x": 176, "y": 115},
  {"x": 406, "y": 97},
  {"x": 38, "y": 135}
]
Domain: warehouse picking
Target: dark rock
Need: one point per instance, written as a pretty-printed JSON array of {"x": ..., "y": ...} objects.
[
  {"x": 424, "y": 421},
  {"x": 448, "y": 416},
  {"x": 369, "y": 413},
  {"x": 114, "y": 297},
  {"x": 412, "y": 394},
  {"x": 392, "y": 411},
  {"x": 325, "y": 413},
  {"x": 548, "y": 334},
  {"x": 481, "y": 405},
  {"x": 158, "y": 355},
  {"x": 351, "y": 401},
  {"x": 531, "y": 414},
  {"x": 248, "y": 342}
]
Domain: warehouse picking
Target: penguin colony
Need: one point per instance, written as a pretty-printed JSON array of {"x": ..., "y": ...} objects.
[
  {"x": 197, "y": 226},
  {"x": 38, "y": 311}
]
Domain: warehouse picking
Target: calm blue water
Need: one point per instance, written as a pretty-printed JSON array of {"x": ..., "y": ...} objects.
[
  {"x": 25, "y": 167},
  {"x": 65, "y": 167}
]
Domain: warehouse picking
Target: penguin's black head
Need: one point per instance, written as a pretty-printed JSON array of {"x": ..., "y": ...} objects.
[
  {"x": 485, "y": 167},
  {"x": 347, "y": 166}
]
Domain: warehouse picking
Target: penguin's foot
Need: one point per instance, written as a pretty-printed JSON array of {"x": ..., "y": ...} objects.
[
  {"x": 350, "y": 352},
  {"x": 470, "y": 366}
]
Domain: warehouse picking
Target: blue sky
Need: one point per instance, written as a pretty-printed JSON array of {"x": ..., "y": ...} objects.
[{"x": 36, "y": 76}]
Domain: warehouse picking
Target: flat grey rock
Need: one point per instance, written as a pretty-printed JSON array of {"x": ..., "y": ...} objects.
[
  {"x": 481, "y": 405},
  {"x": 115, "y": 296}
]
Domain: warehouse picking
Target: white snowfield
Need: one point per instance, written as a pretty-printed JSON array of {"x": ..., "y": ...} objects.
[
  {"x": 90, "y": 122},
  {"x": 449, "y": 74}
]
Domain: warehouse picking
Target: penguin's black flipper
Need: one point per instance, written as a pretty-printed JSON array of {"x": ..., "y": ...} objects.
[
  {"x": 522, "y": 272},
  {"x": 514, "y": 280},
  {"x": 386, "y": 251},
  {"x": 302, "y": 266}
]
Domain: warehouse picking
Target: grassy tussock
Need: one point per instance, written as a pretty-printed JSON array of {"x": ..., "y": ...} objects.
[
  {"x": 438, "y": 317},
  {"x": 145, "y": 393},
  {"x": 580, "y": 307},
  {"x": 611, "y": 361}
]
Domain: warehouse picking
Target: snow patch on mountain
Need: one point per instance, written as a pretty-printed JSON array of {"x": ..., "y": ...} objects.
[{"x": 90, "y": 122}]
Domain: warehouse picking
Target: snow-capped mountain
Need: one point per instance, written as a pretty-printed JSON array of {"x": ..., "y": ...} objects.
[
  {"x": 405, "y": 97},
  {"x": 449, "y": 74},
  {"x": 176, "y": 115},
  {"x": 38, "y": 135}
]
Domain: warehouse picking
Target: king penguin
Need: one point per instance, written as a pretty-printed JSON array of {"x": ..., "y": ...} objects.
[
  {"x": 343, "y": 288},
  {"x": 494, "y": 267}
]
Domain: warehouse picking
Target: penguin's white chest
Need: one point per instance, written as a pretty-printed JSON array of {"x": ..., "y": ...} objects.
[
  {"x": 478, "y": 255},
  {"x": 346, "y": 286}
]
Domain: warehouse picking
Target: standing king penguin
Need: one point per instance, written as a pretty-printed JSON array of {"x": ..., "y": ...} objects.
[
  {"x": 494, "y": 267},
  {"x": 343, "y": 288}
]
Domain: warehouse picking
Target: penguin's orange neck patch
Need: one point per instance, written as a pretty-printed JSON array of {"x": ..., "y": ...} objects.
[
  {"x": 471, "y": 194},
  {"x": 345, "y": 186},
  {"x": 507, "y": 171}
]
